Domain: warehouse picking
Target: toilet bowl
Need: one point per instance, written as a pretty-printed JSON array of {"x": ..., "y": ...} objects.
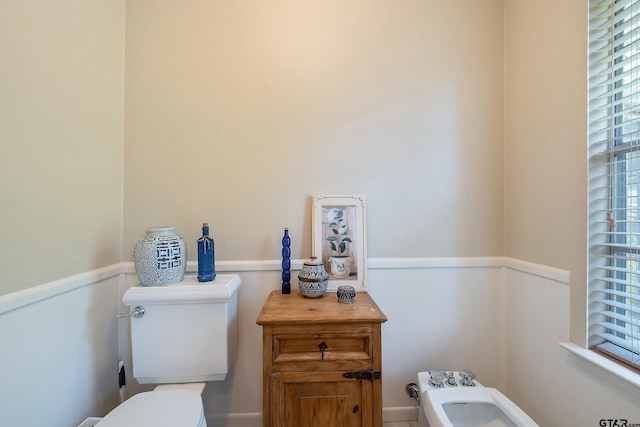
[
  {"x": 456, "y": 399},
  {"x": 162, "y": 407}
]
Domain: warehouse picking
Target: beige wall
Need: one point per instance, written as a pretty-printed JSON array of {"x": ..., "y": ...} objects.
[
  {"x": 237, "y": 112},
  {"x": 61, "y": 138},
  {"x": 545, "y": 140},
  {"x": 253, "y": 108}
]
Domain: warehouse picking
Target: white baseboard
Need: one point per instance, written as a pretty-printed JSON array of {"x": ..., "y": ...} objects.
[
  {"x": 236, "y": 420},
  {"x": 409, "y": 413},
  {"x": 406, "y": 413}
]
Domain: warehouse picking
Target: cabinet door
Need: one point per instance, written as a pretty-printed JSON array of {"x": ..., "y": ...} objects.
[{"x": 322, "y": 399}]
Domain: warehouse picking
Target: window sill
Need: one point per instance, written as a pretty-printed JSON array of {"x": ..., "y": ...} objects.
[{"x": 602, "y": 362}]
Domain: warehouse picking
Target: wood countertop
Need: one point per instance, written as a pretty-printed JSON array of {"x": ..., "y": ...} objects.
[{"x": 295, "y": 308}]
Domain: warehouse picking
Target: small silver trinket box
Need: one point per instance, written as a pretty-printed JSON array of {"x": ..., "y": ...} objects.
[{"x": 346, "y": 294}]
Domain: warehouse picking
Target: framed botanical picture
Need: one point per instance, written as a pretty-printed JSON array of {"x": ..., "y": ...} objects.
[{"x": 338, "y": 238}]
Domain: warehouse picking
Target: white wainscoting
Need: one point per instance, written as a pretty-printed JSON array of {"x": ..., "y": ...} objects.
[
  {"x": 61, "y": 341},
  {"x": 440, "y": 314},
  {"x": 555, "y": 387},
  {"x": 59, "y": 350}
]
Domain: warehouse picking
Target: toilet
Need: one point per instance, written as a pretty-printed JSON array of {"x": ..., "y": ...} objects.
[
  {"x": 182, "y": 336},
  {"x": 456, "y": 399}
]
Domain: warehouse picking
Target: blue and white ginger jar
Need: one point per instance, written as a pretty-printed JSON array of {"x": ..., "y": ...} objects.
[{"x": 160, "y": 258}]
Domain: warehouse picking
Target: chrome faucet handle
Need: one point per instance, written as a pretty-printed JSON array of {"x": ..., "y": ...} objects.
[
  {"x": 467, "y": 378},
  {"x": 436, "y": 378},
  {"x": 451, "y": 379}
]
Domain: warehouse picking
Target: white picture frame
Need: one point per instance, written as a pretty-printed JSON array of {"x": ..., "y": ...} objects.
[{"x": 339, "y": 238}]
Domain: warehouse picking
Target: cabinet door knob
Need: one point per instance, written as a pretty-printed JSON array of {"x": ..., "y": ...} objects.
[{"x": 322, "y": 346}]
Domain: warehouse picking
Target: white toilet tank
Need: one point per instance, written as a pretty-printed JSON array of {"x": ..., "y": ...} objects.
[{"x": 188, "y": 332}]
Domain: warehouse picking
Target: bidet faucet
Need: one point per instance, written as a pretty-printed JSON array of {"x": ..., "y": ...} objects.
[
  {"x": 436, "y": 378},
  {"x": 467, "y": 378},
  {"x": 451, "y": 379}
]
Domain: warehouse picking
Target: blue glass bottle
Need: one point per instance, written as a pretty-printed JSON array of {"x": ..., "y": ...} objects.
[
  {"x": 206, "y": 256},
  {"x": 286, "y": 262}
]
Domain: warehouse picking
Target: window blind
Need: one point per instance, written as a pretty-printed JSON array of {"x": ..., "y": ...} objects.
[{"x": 614, "y": 178}]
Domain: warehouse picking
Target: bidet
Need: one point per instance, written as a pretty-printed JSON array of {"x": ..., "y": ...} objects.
[{"x": 456, "y": 399}]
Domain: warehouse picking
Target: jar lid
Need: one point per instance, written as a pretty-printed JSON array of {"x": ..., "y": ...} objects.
[
  {"x": 159, "y": 231},
  {"x": 313, "y": 271},
  {"x": 313, "y": 261}
]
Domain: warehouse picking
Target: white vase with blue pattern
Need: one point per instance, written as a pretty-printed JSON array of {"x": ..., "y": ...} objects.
[{"x": 160, "y": 258}]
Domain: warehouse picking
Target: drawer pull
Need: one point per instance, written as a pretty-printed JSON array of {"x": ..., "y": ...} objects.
[
  {"x": 363, "y": 375},
  {"x": 322, "y": 346}
]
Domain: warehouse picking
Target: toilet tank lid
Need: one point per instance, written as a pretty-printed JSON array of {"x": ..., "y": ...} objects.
[
  {"x": 222, "y": 289},
  {"x": 165, "y": 408}
]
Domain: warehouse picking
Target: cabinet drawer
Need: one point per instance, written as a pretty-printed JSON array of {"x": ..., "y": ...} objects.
[{"x": 322, "y": 346}]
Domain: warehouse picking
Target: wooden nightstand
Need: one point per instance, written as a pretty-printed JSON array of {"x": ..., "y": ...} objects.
[{"x": 322, "y": 361}]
